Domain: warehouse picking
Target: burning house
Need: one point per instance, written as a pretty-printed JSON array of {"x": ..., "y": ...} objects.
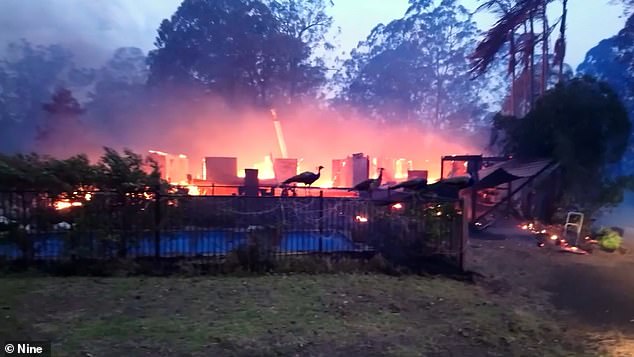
[
  {"x": 174, "y": 168},
  {"x": 350, "y": 171},
  {"x": 221, "y": 170},
  {"x": 284, "y": 168},
  {"x": 358, "y": 167}
]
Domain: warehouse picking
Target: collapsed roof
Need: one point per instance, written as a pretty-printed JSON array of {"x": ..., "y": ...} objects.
[{"x": 512, "y": 170}]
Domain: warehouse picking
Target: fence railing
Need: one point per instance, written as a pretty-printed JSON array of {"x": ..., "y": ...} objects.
[{"x": 34, "y": 226}]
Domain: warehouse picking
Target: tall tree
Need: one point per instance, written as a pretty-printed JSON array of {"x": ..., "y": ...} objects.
[
  {"x": 28, "y": 75},
  {"x": 502, "y": 8},
  {"x": 583, "y": 125},
  {"x": 522, "y": 14},
  {"x": 119, "y": 93},
  {"x": 415, "y": 68},
  {"x": 612, "y": 61},
  {"x": 236, "y": 49},
  {"x": 61, "y": 123},
  {"x": 306, "y": 21},
  {"x": 560, "y": 44}
]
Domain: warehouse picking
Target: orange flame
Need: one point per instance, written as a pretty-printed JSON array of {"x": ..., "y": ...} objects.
[{"x": 65, "y": 204}]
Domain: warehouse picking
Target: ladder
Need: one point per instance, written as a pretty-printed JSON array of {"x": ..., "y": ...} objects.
[{"x": 574, "y": 221}]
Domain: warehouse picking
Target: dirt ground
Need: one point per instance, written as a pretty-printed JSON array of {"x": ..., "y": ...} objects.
[{"x": 591, "y": 294}]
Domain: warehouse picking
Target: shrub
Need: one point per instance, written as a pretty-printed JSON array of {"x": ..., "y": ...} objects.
[
  {"x": 609, "y": 239},
  {"x": 258, "y": 254}
]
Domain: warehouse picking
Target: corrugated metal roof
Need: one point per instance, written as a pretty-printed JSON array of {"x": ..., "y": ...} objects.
[{"x": 510, "y": 171}]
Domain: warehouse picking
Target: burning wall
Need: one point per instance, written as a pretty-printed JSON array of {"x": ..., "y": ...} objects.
[
  {"x": 220, "y": 170},
  {"x": 174, "y": 168},
  {"x": 313, "y": 135}
]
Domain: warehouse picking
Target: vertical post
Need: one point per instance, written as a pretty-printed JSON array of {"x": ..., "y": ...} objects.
[
  {"x": 464, "y": 236},
  {"x": 321, "y": 221},
  {"x": 123, "y": 228},
  {"x": 157, "y": 224},
  {"x": 27, "y": 244},
  {"x": 474, "y": 203},
  {"x": 509, "y": 193}
]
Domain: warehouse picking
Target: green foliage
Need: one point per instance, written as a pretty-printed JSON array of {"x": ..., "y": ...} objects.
[
  {"x": 397, "y": 235},
  {"x": 241, "y": 49},
  {"x": 415, "y": 68},
  {"x": 581, "y": 124},
  {"x": 611, "y": 61},
  {"x": 609, "y": 239},
  {"x": 258, "y": 254},
  {"x": 114, "y": 172}
]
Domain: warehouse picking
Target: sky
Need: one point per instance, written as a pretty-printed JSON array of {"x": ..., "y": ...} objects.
[{"x": 96, "y": 27}]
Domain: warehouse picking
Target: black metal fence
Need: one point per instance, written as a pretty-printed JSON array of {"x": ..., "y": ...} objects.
[{"x": 102, "y": 226}]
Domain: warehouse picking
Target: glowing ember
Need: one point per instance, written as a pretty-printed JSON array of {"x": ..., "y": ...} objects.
[
  {"x": 65, "y": 204},
  {"x": 554, "y": 237},
  {"x": 88, "y": 197},
  {"x": 327, "y": 184},
  {"x": 401, "y": 168},
  {"x": 193, "y": 190},
  {"x": 265, "y": 169},
  {"x": 397, "y": 206},
  {"x": 361, "y": 219},
  {"x": 61, "y": 205},
  {"x": 525, "y": 227}
]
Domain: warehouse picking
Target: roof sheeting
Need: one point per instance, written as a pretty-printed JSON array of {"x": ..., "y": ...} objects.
[{"x": 511, "y": 170}]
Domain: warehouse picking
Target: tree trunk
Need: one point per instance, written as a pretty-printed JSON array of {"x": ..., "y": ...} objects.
[
  {"x": 544, "y": 49},
  {"x": 562, "y": 36},
  {"x": 512, "y": 64},
  {"x": 532, "y": 62}
]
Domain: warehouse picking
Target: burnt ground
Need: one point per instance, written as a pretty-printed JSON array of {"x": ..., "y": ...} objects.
[{"x": 592, "y": 294}]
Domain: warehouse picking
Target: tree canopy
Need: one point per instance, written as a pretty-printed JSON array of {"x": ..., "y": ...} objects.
[
  {"x": 28, "y": 76},
  {"x": 242, "y": 50},
  {"x": 612, "y": 61},
  {"x": 415, "y": 68},
  {"x": 129, "y": 172},
  {"x": 583, "y": 125}
]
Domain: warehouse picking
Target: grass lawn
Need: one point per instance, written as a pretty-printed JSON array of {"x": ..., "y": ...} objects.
[{"x": 304, "y": 315}]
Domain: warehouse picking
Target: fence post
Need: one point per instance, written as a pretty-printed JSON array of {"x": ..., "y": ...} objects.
[
  {"x": 321, "y": 221},
  {"x": 464, "y": 235},
  {"x": 157, "y": 224}
]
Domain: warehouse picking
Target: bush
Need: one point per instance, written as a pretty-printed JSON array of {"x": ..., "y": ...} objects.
[
  {"x": 609, "y": 239},
  {"x": 258, "y": 254}
]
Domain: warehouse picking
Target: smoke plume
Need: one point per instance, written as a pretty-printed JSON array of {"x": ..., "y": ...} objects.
[{"x": 91, "y": 29}]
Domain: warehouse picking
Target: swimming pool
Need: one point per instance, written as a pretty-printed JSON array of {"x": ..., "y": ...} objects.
[{"x": 179, "y": 243}]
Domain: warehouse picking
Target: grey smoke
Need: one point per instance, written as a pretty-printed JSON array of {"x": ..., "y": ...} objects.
[{"x": 92, "y": 29}]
